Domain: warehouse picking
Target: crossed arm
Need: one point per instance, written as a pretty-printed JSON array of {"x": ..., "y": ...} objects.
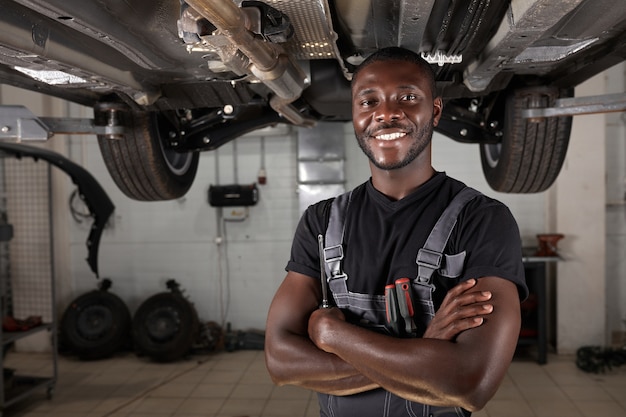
[{"x": 460, "y": 361}]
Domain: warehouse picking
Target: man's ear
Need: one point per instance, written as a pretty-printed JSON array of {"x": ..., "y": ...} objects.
[{"x": 437, "y": 110}]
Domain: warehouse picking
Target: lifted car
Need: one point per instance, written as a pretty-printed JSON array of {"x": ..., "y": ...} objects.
[{"x": 182, "y": 76}]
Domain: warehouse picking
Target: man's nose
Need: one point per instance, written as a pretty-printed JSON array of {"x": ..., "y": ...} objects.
[{"x": 388, "y": 111}]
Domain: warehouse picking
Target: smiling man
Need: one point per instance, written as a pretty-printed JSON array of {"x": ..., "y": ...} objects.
[{"x": 468, "y": 318}]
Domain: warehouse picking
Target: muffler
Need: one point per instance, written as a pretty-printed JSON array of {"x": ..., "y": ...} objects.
[{"x": 266, "y": 61}]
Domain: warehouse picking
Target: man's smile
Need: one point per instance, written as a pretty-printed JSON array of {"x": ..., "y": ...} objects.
[{"x": 390, "y": 136}]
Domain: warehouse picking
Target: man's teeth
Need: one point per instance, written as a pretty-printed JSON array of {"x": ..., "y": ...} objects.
[{"x": 391, "y": 136}]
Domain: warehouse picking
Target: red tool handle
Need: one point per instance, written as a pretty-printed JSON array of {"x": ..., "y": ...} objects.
[
  {"x": 391, "y": 304},
  {"x": 405, "y": 304},
  {"x": 403, "y": 287},
  {"x": 391, "y": 308}
]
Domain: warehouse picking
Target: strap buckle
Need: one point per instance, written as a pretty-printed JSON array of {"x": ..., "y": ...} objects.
[
  {"x": 333, "y": 256},
  {"x": 428, "y": 261},
  {"x": 429, "y": 258},
  {"x": 333, "y": 253}
]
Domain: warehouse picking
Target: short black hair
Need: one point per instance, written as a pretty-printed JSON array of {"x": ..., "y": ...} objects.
[{"x": 396, "y": 53}]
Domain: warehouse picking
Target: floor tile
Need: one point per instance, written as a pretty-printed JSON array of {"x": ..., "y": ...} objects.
[
  {"x": 234, "y": 384},
  {"x": 251, "y": 391},
  {"x": 508, "y": 408},
  {"x": 554, "y": 408},
  {"x": 600, "y": 408},
  {"x": 237, "y": 407},
  {"x": 204, "y": 406},
  {"x": 285, "y": 408},
  {"x": 212, "y": 391}
]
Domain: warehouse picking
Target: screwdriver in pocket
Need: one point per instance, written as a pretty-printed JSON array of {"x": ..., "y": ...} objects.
[
  {"x": 391, "y": 309},
  {"x": 405, "y": 305}
]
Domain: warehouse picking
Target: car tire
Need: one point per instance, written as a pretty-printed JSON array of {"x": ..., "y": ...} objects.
[
  {"x": 530, "y": 155},
  {"x": 95, "y": 325},
  {"x": 139, "y": 162},
  {"x": 165, "y": 326}
]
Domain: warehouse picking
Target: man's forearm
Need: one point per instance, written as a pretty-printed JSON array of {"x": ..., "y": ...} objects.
[
  {"x": 295, "y": 360},
  {"x": 393, "y": 367},
  {"x": 341, "y": 386}
]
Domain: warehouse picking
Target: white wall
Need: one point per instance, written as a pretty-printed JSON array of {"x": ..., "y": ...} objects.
[
  {"x": 150, "y": 242},
  {"x": 580, "y": 208},
  {"x": 589, "y": 209},
  {"x": 147, "y": 243}
]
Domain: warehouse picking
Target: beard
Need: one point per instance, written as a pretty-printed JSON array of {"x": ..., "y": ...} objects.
[{"x": 421, "y": 139}]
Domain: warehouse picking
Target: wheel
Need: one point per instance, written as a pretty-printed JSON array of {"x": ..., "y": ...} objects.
[
  {"x": 139, "y": 162},
  {"x": 165, "y": 327},
  {"x": 95, "y": 325},
  {"x": 531, "y": 153}
]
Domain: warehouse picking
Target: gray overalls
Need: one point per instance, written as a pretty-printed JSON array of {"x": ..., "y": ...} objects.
[{"x": 369, "y": 310}]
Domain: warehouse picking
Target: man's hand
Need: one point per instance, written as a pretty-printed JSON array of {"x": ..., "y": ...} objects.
[{"x": 462, "y": 309}]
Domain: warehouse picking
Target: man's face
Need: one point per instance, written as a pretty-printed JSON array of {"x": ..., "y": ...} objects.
[{"x": 393, "y": 113}]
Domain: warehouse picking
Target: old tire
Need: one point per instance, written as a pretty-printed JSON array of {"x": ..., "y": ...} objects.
[
  {"x": 95, "y": 325},
  {"x": 531, "y": 153},
  {"x": 140, "y": 163},
  {"x": 165, "y": 326}
]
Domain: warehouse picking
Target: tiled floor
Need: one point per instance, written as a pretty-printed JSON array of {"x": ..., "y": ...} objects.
[{"x": 233, "y": 384}]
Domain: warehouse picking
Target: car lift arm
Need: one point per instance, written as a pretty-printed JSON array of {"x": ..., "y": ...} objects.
[
  {"x": 17, "y": 124},
  {"x": 573, "y": 106}
]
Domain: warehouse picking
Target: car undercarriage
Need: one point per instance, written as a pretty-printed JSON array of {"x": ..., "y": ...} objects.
[{"x": 183, "y": 76}]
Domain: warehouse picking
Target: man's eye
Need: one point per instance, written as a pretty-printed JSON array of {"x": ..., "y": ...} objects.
[
  {"x": 410, "y": 97},
  {"x": 367, "y": 103}
]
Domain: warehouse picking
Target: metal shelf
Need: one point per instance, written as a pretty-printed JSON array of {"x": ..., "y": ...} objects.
[
  {"x": 18, "y": 387},
  {"x": 36, "y": 226},
  {"x": 10, "y": 337}
]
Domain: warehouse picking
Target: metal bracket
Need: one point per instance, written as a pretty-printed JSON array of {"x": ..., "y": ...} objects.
[
  {"x": 18, "y": 124},
  {"x": 606, "y": 103}
]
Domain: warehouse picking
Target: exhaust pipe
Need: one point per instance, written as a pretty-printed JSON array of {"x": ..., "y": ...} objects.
[{"x": 268, "y": 62}]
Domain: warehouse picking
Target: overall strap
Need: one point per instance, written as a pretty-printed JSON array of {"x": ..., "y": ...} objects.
[
  {"x": 429, "y": 258},
  {"x": 333, "y": 248}
]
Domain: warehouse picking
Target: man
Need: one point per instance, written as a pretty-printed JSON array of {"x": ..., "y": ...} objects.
[{"x": 462, "y": 357}]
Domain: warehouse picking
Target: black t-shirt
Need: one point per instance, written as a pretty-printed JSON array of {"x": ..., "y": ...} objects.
[{"x": 382, "y": 238}]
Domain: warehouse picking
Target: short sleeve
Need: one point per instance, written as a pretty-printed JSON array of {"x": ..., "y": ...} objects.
[
  {"x": 490, "y": 236},
  {"x": 304, "y": 257}
]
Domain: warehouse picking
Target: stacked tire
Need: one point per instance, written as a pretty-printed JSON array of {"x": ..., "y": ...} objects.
[
  {"x": 165, "y": 326},
  {"x": 96, "y": 325}
]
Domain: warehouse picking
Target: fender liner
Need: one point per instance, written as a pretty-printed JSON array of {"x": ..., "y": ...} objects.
[{"x": 98, "y": 202}]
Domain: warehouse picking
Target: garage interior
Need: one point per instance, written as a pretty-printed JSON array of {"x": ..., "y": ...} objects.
[{"x": 229, "y": 262}]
